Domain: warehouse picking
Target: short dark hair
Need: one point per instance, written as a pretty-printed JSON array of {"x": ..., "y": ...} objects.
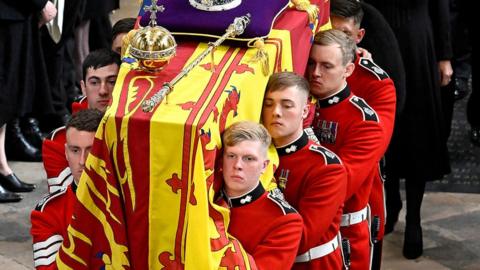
[
  {"x": 347, "y": 9},
  {"x": 85, "y": 120},
  {"x": 123, "y": 26},
  {"x": 282, "y": 80},
  {"x": 100, "y": 58}
]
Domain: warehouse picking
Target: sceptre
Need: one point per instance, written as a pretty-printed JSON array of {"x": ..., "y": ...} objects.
[{"x": 236, "y": 28}]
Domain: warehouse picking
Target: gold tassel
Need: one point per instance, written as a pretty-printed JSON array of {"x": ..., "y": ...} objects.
[
  {"x": 304, "y": 5},
  {"x": 261, "y": 56}
]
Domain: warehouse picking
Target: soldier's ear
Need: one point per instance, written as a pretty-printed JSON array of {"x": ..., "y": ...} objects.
[
  {"x": 66, "y": 151},
  {"x": 360, "y": 35},
  {"x": 265, "y": 164},
  {"x": 349, "y": 69},
  {"x": 82, "y": 86},
  {"x": 305, "y": 111}
]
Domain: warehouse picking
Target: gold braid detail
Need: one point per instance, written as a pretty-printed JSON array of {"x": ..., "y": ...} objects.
[{"x": 261, "y": 56}]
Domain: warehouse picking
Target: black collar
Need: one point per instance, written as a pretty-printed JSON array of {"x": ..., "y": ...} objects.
[
  {"x": 294, "y": 146},
  {"x": 335, "y": 99},
  {"x": 245, "y": 199}
]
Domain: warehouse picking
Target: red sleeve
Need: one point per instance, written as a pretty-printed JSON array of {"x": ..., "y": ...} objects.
[
  {"x": 360, "y": 152},
  {"x": 382, "y": 98},
  {"x": 47, "y": 238},
  {"x": 53, "y": 152},
  {"x": 279, "y": 248},
  {"x": 320, "y": 203}
]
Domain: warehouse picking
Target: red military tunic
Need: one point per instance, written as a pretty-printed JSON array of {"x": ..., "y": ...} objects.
[
  {"x": 314, "y": 181},
  {"x": 371, "y": 83},
  {"x": 53, "y": 152},
  {"x": 267, "y": 227},
  {"x": 50, "y": 221},
  {"x": 347, "y": 125},
  {"x": 55, "y": 162}
]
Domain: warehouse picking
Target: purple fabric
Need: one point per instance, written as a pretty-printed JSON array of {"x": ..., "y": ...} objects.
[{"x": 180, "y": 16}]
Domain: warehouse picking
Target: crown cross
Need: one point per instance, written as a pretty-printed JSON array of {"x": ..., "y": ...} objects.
[{"x": 153, "y": 9}]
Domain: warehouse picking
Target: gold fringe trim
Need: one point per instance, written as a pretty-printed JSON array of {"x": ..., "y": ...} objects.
[
  {"x": 261, "y": 56},
  {"x": 304, "y": 5}
]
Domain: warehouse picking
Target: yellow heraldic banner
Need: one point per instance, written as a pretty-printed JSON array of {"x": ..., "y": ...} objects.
[{"x": 147, "y": 196}]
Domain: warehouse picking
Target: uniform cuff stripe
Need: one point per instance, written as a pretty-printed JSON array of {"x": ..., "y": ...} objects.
[
  {"x": 45, "y": 261},
  {"x": 45, "y": 244}
]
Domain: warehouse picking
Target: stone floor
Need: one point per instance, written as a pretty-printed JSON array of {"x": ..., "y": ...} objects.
[{"x": 450, "y": 225}]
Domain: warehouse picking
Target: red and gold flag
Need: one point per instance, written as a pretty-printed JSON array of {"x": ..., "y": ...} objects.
[{"x": 146, "y": 195}]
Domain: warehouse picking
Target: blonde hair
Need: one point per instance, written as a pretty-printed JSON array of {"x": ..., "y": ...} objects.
[
  {"x": 337, "y": 37},
  {"x": 246, "y": 131}
]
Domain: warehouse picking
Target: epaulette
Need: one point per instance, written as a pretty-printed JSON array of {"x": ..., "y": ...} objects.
[
  {"x": 328, "y": 156},
  {"x": 276, "y": 196},
  {"x": 369, "y": 114},
  {"x": 369, "y": 65},
  {"x": 43, "y": 202}
]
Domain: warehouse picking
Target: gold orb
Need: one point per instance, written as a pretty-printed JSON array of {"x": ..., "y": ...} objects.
[{"x": 153, "y": 46}]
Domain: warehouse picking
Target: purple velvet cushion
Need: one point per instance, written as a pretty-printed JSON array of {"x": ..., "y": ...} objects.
[{"x": 181, "y": 18}]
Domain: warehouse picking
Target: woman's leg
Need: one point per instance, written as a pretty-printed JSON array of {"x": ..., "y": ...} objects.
[
  {"x": 8, "y": 180},
  {"x": 413, "y": 244},
  {"x": 4, "y": 168},
  {"x": 393, "y": 202},
  {"x": 5, "y": 195}
]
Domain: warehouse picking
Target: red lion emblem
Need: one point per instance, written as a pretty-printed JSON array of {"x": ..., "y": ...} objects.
[{"x": 231, "y": 104}]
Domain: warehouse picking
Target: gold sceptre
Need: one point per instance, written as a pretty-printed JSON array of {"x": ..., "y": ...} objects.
[{"x": 236, "y": 28}]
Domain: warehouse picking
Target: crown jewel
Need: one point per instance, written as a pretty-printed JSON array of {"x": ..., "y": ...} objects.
[
  {"x": 153, "y": 45},
  {"x": 215, "y": 5}
]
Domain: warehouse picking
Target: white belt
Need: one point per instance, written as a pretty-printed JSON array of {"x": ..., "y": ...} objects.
[
  {"x": 354, "y": 218},
  {"x": 319, "y": 251}
]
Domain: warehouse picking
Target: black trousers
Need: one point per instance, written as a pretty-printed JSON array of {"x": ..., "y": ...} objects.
[{"x": 414, "y": 189}]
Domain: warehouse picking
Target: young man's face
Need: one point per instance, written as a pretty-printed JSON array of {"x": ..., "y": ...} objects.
[
  {"x": 98, "y": 86},
  {"x": 348, "y": 26},
  {"x": 243, "y": 164},
  {"x": 283, "y": 113},
  {"x": 325, "y": 70},
  {"x": 77, "y": 148}
]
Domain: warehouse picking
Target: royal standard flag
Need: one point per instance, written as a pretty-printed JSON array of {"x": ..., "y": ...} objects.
[{"x": 146, "y": 197}]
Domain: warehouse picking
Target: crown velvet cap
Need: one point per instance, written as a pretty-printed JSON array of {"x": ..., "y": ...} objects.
[{"x": 181, "y": 17}]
